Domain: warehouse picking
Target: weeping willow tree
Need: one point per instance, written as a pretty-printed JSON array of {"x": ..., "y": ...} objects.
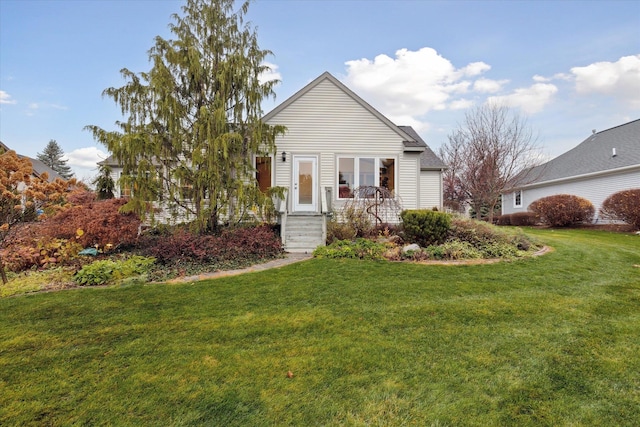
[{"x": 193, "y": 122}]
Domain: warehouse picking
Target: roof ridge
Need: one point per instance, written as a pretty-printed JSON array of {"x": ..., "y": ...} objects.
[{"x": 623, "y": 124}]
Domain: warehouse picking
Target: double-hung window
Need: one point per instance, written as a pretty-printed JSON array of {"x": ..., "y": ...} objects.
[
  {"x": 517, "y": 199},
  {"x": 364, "y": 171}
]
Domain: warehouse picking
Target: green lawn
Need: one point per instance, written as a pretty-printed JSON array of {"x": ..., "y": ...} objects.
[{"x": 553, "y": 341}]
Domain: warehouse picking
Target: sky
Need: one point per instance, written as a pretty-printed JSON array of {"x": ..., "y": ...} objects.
[{"x": 567, "y": 67}]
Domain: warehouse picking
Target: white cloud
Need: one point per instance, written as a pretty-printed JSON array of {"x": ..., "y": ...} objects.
[
  {"x": 33, "y": 107},
  {"x": 41, "y": 105},
  {"x": 530, "y": 100},
  {"x": 475, "y": 69},
  {"x": 620, "y": 79},
  {"x": 461, "y": 104},
  {"x": 87, "y": 157},
  {"x": 271, "y": 74},
  {"x": 411, "y": 84},
  {"x": 83, "y": 162},
  {"x": 5, "y": 98},
  {"x": 558, "y": 76},
  {"x": 483, "y": 85}
]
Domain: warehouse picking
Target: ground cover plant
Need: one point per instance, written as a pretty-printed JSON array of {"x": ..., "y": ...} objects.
[
  {"x": 440, "y": 237},
  {"x": 552, "y": 340}
]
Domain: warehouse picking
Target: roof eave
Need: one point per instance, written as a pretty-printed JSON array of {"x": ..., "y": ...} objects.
[{"x": 573, "y": 178}]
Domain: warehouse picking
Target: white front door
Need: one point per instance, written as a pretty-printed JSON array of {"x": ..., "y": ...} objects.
[{"x": 305, "y": 176}]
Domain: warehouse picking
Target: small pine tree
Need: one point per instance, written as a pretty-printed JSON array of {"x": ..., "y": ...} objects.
[
  {"x": 52, "y": 157},
  {"x": 104, "y": 183}
]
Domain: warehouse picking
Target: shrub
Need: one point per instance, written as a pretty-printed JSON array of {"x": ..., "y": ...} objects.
[
  {"x": 360, "y": 249},
  {"x": 236, "y": 244},
  {"x": 425, "y": 227},
  {"x": 521, "y": 219},
  {"x": 101, "y": 224},
  {"x": 503, "y": 219},
  {"x": 26, "y": 247},
  {"x": 623, "y": 206},
  {"x": 453, "y": 250},
  {"x": 563, "y": 210},
  {"x": 348, "y": 224},
  {"x": 487, "y": 238},
  {"x": 108, "y": 271}
]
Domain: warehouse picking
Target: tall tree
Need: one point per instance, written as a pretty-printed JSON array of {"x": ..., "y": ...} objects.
[
  {"x": 491, "y": 150},
  {"x": 194, "y": 120},
  {"x": 52, "y": 157}
]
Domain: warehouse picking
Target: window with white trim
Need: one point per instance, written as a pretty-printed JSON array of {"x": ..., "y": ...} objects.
[
  {"x": 355, "y": 171},
  {"x": 517, "y": 199}
]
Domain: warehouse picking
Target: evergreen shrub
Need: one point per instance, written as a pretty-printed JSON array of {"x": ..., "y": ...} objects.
[{"x": 425, "y": 227}]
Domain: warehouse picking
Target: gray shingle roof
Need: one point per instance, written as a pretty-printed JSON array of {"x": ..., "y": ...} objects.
[
  {"x": 428, "y": 159},
  {"x": 39, "y": 168},
  {"x": 594, "y": 154}
]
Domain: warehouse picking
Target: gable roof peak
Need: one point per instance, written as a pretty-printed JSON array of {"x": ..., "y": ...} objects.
[{"x": 330, "y": 77}]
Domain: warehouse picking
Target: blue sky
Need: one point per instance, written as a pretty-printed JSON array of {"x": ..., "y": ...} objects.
[{"x": 568, "y": 66}]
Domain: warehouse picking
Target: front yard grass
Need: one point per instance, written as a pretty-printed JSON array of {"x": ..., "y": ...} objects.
[{"x": 552, "y": 340}]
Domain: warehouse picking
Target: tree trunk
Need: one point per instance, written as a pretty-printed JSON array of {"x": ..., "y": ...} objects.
[{"x": 3, "y": 273}]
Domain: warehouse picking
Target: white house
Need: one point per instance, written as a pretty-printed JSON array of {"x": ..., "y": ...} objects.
[
  {"x": 336, "y": 142},
  {"x": 603, "y": 164}
]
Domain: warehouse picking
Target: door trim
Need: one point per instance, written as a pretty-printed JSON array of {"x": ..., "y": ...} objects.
[{"x": 313, "y": 206}]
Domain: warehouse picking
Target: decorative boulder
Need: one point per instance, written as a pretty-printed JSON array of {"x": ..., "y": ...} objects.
[{"x": 410, "y": 248}]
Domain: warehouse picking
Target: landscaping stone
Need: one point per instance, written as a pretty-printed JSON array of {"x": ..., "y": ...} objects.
[{"x": 410, "y": 248}]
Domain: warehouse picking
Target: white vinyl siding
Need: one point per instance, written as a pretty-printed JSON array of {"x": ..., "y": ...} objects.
[
  {"x": 408, "y": 175},
  {"x": 595, "y": 189},
  {"x": 326, "y": 121},
  {"x": 430, "y": 190}
]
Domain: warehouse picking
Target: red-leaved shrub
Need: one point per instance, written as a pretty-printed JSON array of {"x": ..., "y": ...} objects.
[
  {"x": 100, "y": 221},
  {"x": 563, "y": 210},
  {"x": 237, "y": 244},
  {"x": 503, "y": 219},
  {"x": 521, "y": 219},
  {"x": 623, "y": 206}
]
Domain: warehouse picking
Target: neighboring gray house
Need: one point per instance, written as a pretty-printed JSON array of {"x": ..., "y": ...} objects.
[
  {"x": 336, "y": 142},
  {"x": 603, "y": 164}
]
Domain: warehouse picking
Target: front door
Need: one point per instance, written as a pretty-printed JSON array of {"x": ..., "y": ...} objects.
[{"x": 305, "y": 176}]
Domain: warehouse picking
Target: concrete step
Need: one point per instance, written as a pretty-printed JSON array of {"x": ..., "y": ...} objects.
[{"x": 303, "y": 233}]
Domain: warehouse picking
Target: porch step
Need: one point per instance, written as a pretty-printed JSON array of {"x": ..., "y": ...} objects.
[{"x": 303, "y": 233}]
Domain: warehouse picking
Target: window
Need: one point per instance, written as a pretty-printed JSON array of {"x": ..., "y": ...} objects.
[
  {"x": 125, "y": 187},
  {"x": 346, "y": 177},
  {"x": 263, "y": 173},
  {"x": 354, "y": 172},
  {"x": 388, "y": 174},
  {"x": 517, "y": 199}
]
